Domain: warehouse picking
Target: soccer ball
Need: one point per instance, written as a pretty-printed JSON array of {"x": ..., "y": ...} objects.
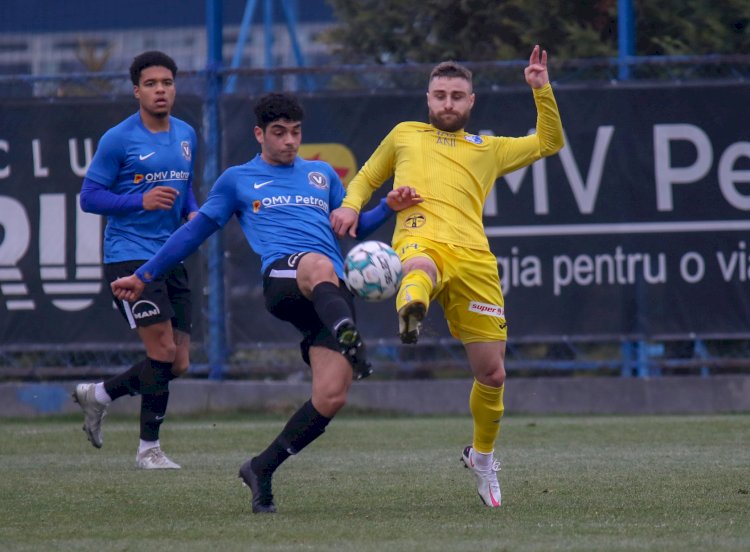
[{"x": 373, "y": 271}]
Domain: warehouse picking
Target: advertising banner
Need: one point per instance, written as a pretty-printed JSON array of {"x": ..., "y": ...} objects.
[{"x": 637, "y": 228}]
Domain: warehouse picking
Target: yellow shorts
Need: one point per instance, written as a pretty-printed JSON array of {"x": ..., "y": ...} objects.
[{"x": 468, "y": 288}]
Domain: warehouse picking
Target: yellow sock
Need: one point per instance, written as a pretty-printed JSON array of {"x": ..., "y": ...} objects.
[
  {"x": 416, "y": 286},
  {"x": 486, "y": 404}
]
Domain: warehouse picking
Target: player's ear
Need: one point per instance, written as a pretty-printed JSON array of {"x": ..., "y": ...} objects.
[
  {"x": 137, "y": 92},
  {"x": 258, "y": 134}
]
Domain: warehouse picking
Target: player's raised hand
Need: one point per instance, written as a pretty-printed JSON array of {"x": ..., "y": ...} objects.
[
  {"x": 128, "y": 288},
  {"x": 536, "y": 73},
  {"x": 160, "y": 198},
  {"x": 403, "y": 197}
]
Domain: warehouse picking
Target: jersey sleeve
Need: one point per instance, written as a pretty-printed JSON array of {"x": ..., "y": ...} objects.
[
  {"x": 514, "y": 153},
  {"x": 222, "y": 201},
  {"x": 376, "y": 170},
  {"x": 109, "y": 156}
]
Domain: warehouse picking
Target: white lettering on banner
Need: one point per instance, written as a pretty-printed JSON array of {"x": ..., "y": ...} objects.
[
  {"x": 52, "y": 254},
  {"x": 88, "y": 153},
  {"x": 585, "y": 192},
  {"x": 36, "y": 153},
  {"x": 4, "y": 169},
  {"x": 735, "y": 264},
  {"x": 692, "y": 267},
  {"x": 15, "y": 244},
  {"x": 665, "y": 173},
  {"x": 516, "y": 271},
  {"x": 728, "y": 177},
  {"x": 619, "y": 268},
  {"x": 37, "y": 157}
]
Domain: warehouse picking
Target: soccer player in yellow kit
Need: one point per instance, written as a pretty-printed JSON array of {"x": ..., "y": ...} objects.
[{"x": 442, "y": 243}]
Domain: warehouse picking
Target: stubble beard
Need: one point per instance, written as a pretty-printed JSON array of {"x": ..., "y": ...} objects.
[{"x": 458, "y": 123}]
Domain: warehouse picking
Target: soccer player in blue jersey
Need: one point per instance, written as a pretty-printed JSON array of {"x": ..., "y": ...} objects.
[
  {"x": 141, "y": 179},
  {"x": 283, "y": 204}
]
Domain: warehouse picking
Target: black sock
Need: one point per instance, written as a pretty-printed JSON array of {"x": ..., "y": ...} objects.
[
  {"x": 153, "y": 410},
  {"x": 330, "y": 304},
  {"x": 305, "y": 425},
  {"x": 155, "y": 396},
  {"x": 127, "y": 383}
]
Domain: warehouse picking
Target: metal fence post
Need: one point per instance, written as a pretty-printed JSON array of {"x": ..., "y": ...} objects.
[{"x": 217, "y": 350}]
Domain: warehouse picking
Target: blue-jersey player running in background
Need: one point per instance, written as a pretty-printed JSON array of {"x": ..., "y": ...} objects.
[
  {"x": 141, "y": 179},
  {"x": 283, "y": 205}
]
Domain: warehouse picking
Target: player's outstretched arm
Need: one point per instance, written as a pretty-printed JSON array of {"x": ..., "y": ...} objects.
[{"x": 182, "y": 243}]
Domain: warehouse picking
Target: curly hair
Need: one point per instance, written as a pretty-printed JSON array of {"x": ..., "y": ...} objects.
[
  {"x": 152, "y": 58},
  {"x": 275, "y": 106}
]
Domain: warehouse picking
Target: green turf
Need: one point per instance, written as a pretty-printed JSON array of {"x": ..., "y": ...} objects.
[{"x": 374, "y": 483}]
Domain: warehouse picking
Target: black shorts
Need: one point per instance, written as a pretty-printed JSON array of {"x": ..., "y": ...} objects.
[
  {"x": 166, "y": 298},
  {"x": 285, "y": 301}
]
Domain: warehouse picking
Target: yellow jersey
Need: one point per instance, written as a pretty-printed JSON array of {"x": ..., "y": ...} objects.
[{"x": 453, "y": 171}]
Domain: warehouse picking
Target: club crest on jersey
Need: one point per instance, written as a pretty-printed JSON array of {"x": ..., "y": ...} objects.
[
  {"x": 473, "y": 138},
  {"x": 318, "y": 180},
  {"x": 186, "y": 153},
  {"x": 256, "y": 206},
  {"x": 415, "y": 221}
]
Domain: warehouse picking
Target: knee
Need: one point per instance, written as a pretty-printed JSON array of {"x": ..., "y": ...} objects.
[
  {"x": 492, "y": 376},
  {"x": 167, "y": 351},
  {"x": 329, "y": 404}
]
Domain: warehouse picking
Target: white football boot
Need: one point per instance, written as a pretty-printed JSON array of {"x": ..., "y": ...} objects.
[
  {"x": 488, "y": 486},
  {"x": 154, "y": 459},
  {"x": 93, "y": 412}
]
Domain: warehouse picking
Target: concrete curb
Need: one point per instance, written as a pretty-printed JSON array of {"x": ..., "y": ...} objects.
[{"x": 595, "y": 395}]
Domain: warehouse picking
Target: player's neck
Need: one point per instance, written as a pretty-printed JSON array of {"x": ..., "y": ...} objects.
[{"x": 153, "y": 123}]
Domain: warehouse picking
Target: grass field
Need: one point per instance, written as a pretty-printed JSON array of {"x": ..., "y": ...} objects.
[{"x": 376, "y": 483}]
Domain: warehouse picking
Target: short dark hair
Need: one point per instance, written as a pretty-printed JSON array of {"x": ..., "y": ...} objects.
[
  {"x": 152, "y": 58},
  {"x": 275, "y": 106},
  {"x": 451, "y": 70}
]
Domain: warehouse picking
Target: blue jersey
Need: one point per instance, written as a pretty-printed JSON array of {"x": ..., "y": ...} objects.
[
  {"x": 282, "y": 209},
  {"x": 130, "y": 159}
]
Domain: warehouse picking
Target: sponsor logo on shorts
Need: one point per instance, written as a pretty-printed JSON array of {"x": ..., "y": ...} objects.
[
  {"x": 489, "y": 310},
  {"x": 145, "y": 309},
  {"x": 318, "y": 180}
]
